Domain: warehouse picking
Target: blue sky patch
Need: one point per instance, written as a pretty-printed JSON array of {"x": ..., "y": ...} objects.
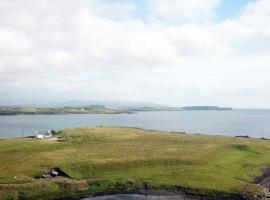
[
  {"x": 231, "y": 8},
  {"x": 226, "y": 10}
]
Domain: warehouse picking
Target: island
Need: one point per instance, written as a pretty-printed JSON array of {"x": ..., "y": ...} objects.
[
  {"x": 79, "y": 162},
  {"x": 206, "y": 108}
]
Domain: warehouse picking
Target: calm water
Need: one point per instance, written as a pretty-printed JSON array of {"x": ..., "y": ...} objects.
[{"x": 255, "y": 123}]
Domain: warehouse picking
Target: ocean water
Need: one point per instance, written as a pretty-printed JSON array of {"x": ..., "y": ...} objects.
[{"x": 255, "y": 123}]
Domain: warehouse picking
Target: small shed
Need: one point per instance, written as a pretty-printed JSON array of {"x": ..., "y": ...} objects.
[{"x": 44, "y": 135}]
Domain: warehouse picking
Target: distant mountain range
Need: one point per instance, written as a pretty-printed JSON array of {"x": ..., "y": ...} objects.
[{"x": 108, "y": 104}]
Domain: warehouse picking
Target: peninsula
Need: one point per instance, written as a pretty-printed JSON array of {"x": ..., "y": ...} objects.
[
  {"x": 95, "y": 109},
  {"x": 92, "y": 109}
]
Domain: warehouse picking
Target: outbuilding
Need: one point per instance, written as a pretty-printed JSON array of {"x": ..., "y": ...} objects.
[{"x": 44, "y": 135}]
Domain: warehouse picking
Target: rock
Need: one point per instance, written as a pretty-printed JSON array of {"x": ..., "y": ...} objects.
[
  {"x": 46, "y": 176},
  {"x": 54, "y": 173}
]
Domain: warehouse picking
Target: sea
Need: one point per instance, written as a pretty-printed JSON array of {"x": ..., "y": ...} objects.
[{"x": 254, "y": 123}]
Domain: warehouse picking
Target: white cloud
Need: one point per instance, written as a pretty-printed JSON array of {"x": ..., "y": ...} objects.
[
  {"x": 57, "y": 50},
  {"x": 13, "y": 43}
]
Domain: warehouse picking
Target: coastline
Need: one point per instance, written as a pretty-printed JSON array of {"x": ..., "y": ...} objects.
[{"x": 7, "y": 111}]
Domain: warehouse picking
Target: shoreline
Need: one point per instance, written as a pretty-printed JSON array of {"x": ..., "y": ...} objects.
[
  {"x": 151, "y": 130},
  {"x": 106, "y": 113}
]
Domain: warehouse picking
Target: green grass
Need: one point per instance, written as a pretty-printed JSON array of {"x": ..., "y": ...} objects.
[{"x": 118, "y": 159}]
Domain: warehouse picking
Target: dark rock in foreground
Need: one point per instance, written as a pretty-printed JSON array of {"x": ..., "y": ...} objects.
[{"x": 138, "y": 197}]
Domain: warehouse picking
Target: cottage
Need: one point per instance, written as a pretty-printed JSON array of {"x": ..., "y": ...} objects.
[{"x": 45, "y": 135}]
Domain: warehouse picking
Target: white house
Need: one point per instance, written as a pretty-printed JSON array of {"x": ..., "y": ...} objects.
[{"x": 45, "y": 135}]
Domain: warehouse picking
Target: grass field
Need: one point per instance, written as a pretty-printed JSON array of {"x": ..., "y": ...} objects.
[{"x": 106, "y": 159}]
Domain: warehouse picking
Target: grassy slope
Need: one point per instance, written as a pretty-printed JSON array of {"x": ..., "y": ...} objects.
[{"x": 197, "y": 161}]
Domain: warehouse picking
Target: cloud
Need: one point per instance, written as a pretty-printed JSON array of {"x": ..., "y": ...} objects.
[{"x": 63, "y": 50}]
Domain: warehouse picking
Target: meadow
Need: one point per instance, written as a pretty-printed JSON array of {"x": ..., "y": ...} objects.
[{"x": 116, "y": 159}]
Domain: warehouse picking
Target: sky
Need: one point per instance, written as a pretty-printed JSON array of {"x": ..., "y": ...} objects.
[{"x": 178, "y": 53}]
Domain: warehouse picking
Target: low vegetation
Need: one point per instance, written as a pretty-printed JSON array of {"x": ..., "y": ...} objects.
[
  {"x": 95, "y": 109},
  {"x": 59, "y": 110},
  {"x": 111, "y": 160}
]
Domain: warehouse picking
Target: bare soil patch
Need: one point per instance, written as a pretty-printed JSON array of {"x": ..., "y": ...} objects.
[{"x": 264, "y": 179}]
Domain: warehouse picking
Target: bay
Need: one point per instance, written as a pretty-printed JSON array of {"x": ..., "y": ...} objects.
[{"x": 255, "y": 123}]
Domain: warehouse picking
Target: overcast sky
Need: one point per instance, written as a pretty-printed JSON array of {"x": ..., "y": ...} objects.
[{"x": 174, "y": 52}]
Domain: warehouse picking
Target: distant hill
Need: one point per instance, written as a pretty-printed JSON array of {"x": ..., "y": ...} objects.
[
  {"x": 108, "y": 104},
  {"x": 205, "y": 108},
  {"x": 130, "y": 105}
]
